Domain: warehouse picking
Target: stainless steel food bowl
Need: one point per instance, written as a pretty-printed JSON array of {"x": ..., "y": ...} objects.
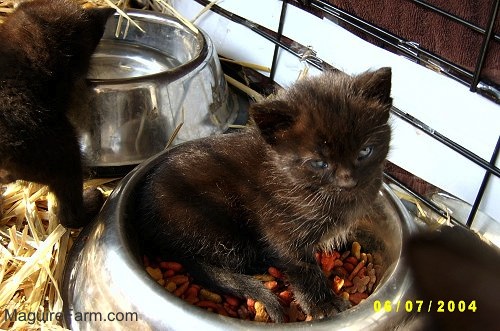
[
  {"x": 143, "y": 84},
  {"x": 105, "y": 274}
]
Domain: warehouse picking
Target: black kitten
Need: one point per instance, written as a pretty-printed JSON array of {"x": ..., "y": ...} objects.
[
  {"x": 46, "y": 48},
  {"x": 230, "y": 206}
]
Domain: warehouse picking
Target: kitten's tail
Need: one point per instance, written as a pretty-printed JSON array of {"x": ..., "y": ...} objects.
[{"x": 237, "y": 284}]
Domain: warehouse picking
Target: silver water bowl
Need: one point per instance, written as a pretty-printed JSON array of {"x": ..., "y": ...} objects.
[
  {"x": 104, "y": 273},
  {"x": 142, "y": 85}
]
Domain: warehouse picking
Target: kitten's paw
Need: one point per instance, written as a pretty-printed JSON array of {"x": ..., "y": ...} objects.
[
  {"x": 273, "y": 308},
  {"x": 75, "y": 218},
  {"x": 93, "y": 199}
]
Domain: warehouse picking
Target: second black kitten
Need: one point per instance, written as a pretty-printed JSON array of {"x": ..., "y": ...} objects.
[
  {"x": 46, "y": 48},
  {"x": 298, "y": 181}
]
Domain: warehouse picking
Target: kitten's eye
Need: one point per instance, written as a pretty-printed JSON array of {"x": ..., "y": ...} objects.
[
  {"x": 318, "y": 164},
  {"x": 365, "y": 153}
]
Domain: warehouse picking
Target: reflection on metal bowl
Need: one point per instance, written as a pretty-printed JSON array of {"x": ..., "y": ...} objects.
[
  {"x": 104, "y": 274},
  {"x": 143, "y": 85}
]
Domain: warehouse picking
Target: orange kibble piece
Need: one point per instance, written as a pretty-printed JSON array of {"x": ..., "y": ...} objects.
[
  {"x": 179, "y": 279},
  {"x": 171, "y": 265},
  {"x": 181, "y": 289},
  {"x": 337, "y": 284},
  {"x": 356, "y": 298},
  {"x": 155, "y": 273},
  {"x": 250, "y": 302},
  {"x": 327, "y": 262},
  {"x": 348, "y": 267},
  {"x": 232, "y": 301},
  {"x": 275, "y": 272},
  {"x": 286, "y": 296},
  {"x": 352, "y": 260},
  {"x": 271, "y": 284}
]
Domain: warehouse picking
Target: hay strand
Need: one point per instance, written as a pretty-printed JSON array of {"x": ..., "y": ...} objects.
[
  {"x": 33, "y": 253},
  {"x": 247, "y": 64},
  {"x": 204, "y": 10},
  {"x": 251, "y": 93},
  {"x": 167, "y": 7}
]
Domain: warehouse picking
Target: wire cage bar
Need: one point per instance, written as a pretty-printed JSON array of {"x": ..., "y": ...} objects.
[{"x": 413, "y": 51}]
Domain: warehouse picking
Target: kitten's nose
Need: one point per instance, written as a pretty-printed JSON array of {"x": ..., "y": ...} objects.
[{"x": 344, "y": 179}]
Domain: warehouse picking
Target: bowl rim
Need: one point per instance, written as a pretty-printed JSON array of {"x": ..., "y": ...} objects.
[{"x": 170, "y": 74}]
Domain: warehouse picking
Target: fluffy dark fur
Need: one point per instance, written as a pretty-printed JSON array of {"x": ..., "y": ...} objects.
[
  {"x": 46, "y": 48},
  {"x": 454, "y": 264},
  {"x": 230, "y": 206}
]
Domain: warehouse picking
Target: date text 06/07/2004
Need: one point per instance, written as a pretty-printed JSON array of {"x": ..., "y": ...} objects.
[{"x": 419, "y": 306}]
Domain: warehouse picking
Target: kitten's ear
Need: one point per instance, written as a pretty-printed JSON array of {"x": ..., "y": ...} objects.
[
  {"x": 271, "y": 116},
  {"x": 375, "y": 84}
]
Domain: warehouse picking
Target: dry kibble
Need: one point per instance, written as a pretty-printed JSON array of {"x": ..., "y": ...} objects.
[
  {"x": 174, "y": 266},
  {"x": 286, "y": 296},
  {"x": 373, "y": 278},
  {"x": 364, "y": 257},
  {"x": 352, "y": 275},
  {"x": 271, "y": 284},
  {"x": 179, "y": 279},
  {"x": 349, "y": 267},
  {"x": 215, "y": 307},
  {"x": 243, "y": 313},
  {"x": 275, "y": 272},
  {"x": 264, "y": 278},
  {"x": 235, "y": 302},
  {"x": 352, "y": 260},
  {"x": 345, "y": 255},
  {"x": 359, "y": 285},
  {"x": 356, "y": 250},
  {"x": 347, "y": 283},
  {"x": 230, "y": 310},
  {"x": 355, "y": 271},
  {"x": 251, "y": 305},
  {"x": 181, "y": 289},
  {"x": 169, "y": 273},
  {"x": 356, "y": 298},
  {"x": 337, "y": 284},
  {"x": 377, "y": 259},
  {"x": 171, "y": 286},
  {"x": 191, "y": 299},
  {"x": 210, "y": 296},
  {"x": 155, "y": 273},
  {"x": 341, "y": 272},
  {"x": 260, "y": 312},
  {"x": 192, "y": 293},
  {"x": 327, "y": 261}
]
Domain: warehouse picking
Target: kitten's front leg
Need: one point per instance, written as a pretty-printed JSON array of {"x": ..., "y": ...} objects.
[{"x": 313, "y": 291}]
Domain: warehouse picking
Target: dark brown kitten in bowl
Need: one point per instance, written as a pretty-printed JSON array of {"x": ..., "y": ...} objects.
[
  {"x": 273, "y": 194},
  {"x": 46, "y": 49}
]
